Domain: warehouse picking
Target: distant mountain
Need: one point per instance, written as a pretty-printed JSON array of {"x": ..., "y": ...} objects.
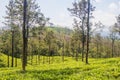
[{"x": 61, "y": 30}]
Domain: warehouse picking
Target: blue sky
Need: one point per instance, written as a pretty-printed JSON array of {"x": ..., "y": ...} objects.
[{"x": 56, "y": 10}]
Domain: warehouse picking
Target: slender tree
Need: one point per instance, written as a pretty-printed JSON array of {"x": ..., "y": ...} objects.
[
  {"x": 12, "y": 64},
  {"x": 113, "y": 37},
  {"x": 98, "y": 44},
  {"x": 88, "y": 30},
  {"x": 81, "y": 10},
  {"x": 24, "y": 36},
  {"x": 10, "y": 20},
  {"x": 49, "y": 40}
]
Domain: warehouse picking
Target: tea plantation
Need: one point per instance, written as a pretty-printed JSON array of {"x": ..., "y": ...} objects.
[{"x": 97, "y": 69}]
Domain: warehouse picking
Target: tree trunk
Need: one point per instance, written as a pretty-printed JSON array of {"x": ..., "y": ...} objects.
[
  {"x": 52, "y": 58},
  {"x": 49, "y": 51},
  {"x": 39, "y": 58},
  {"x": 24, "y": 60},
  {"x": 76, "y": 55},
  {"x": 83, "y": 39},
  {"x": 8, "y": 59},
  {"x": 16, "y": 62},
  {"x": 63, "y": 52},
  {"x": 16, "y": 57},
  {"x": 88, "y": 30},
  {"x": 31, "y": 59},
  {"x": 97, "y": 50},
  {"x": 83, "y": 44},
  {"x": 27, "y": 34},
  {"x": 112, "y": 48},
  {"x": 36, "y": 60},
  {"x": 12, "y": 64}
]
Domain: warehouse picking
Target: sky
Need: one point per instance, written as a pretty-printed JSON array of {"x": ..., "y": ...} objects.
[{"x": 106, "y": 11}]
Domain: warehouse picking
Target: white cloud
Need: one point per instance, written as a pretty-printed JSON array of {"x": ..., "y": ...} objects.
[
  {"x": 63, "y": 20},
  {"x": 113, "y": 7},
  {"x": 119, "y": 2},
  {"x": 105, "y": 17}
]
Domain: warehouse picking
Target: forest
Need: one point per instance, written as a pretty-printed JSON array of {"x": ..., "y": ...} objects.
[{"x": 33, "y": 48}]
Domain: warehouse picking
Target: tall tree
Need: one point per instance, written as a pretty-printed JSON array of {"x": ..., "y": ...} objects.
[
  {"x": 88, "y": 31},
  {"x": 98, "y": 44},
  {"x": 31, "y": 16},
  {"x": 6, "y": 44},
  {"x": 49, "y": 40},
  {"x": 10, "y": 21},
  {"x": 81, "y": 10},
  {"x": 75, "y": 44},
  {"x": 24, "y": 29},
  {"x": 113, "y": 37}
]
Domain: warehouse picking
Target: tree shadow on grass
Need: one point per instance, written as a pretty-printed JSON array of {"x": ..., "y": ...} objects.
[{"x": 53, "y": 74}]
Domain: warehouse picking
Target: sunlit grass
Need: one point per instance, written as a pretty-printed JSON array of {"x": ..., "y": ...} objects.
[{"x": 97, "y": 69}]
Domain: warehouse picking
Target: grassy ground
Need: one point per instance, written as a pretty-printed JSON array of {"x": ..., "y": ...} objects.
[{"x": 97, "y": 69}]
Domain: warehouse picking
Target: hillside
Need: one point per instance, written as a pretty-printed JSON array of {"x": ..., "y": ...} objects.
[
  {"x": 98, "y": 69},
  {"x": 62, "y": 30}
]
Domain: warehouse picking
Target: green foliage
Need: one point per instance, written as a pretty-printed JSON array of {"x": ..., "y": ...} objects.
[{"x": 38, "y": 42}]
